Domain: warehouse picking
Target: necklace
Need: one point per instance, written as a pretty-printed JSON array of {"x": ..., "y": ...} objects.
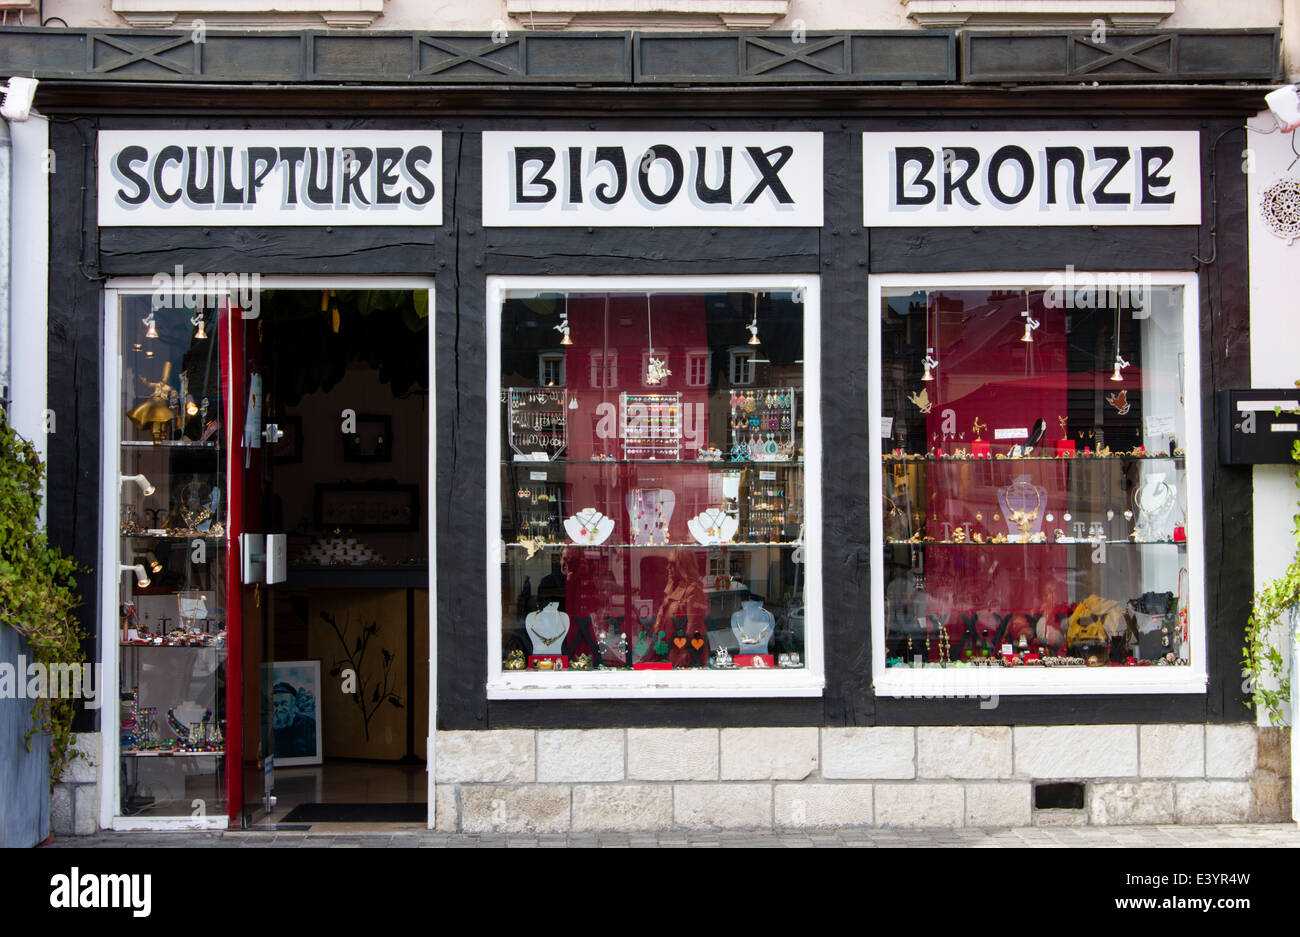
[
  {"x": 1153, "y": 501},
  {"x": 541, "y": 637},
  {"x": 746, "y": 637}
]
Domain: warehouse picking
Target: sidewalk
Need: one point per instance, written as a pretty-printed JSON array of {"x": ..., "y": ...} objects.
[{"x": 1252, "y": 836}]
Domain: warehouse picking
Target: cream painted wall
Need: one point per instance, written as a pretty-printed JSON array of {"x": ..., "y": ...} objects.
[
  {"x": 485, "y": 15},
  {"x": 1273, "y": 360}
]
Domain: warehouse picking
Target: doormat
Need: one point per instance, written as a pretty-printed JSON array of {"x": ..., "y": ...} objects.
[{"x": 358, "y": 813}]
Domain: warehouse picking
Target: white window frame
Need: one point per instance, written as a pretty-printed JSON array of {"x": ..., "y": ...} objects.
[
  {"x": 807, "y": 681},
  {"x": 110, "y": 580},
  {"x": 987, "y": 682}
]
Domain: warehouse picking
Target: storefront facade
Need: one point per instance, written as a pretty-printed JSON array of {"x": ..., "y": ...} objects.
[{"x": 891, "y": 384}]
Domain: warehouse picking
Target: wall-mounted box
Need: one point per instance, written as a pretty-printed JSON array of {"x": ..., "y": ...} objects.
[{"x": 1258, "y": 426}]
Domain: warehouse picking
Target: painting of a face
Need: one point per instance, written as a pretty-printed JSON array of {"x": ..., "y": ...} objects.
[{"x": 283, "y": 710}]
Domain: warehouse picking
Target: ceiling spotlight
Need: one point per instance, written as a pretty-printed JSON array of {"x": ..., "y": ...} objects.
[
  {"x": 1120, "y": 364},
  {"x": 197, "y": 320},
  {"x": 152, "y": 326},
  {"x": 563, "y": 329},
  {"x": 154, "y": 566},
  {"x": 140, "y": 480},
  {"x": 929, "y": 361},
  {"x": 141, "y": 577}
]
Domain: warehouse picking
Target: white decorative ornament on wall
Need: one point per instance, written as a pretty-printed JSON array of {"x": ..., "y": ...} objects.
[{"x": 1280, "y": 206}]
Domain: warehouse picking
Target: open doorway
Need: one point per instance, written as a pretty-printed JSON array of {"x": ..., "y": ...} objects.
[{"x": 339, "y": 664}]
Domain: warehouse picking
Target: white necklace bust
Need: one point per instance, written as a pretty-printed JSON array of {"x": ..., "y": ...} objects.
[
  {"x": 589, "y": 527},
  {"x": 547, "y": 629},
  {"x": 753, "y": 626}
]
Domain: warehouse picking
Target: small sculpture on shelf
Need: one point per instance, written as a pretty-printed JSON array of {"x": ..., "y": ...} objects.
[{"x": 158, "y": 412}]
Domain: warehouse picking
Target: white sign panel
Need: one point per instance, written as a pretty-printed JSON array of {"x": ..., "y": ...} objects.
[
  {"x": 560, "y": 179},
  {"x": 942, "y": 179},
  {"x": 269, "y": 177}
]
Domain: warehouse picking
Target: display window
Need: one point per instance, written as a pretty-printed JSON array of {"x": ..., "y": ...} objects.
[
  {"x": 169, "y": 537},
  {"x": 1038, "y": 469},
  {"x": 658, "y": 499}
]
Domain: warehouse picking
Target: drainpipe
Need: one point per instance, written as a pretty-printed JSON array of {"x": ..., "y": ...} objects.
[{"x": 6, "y": 163}]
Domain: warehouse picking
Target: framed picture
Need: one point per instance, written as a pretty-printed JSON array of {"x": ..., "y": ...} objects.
[
  {"x": 288, "y": 450},
  {"x": 368, "y": 506},
  {"x": 295, "y": 709},
  {"x": 373, "y": 440}
]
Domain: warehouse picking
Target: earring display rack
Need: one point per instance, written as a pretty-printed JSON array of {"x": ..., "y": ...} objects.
[
  {"x": 764, "y": 422},
  {"x": 651, "y": 425},
  {"x": 539, "y": 421}
]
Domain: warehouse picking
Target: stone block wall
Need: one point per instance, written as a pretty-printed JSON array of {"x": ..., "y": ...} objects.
[
  {"x": 74, "y": 803},
  {"x": 551, "y": 781}
]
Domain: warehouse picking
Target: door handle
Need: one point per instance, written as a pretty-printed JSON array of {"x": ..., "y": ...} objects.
[{"x": 272, "y": 433}]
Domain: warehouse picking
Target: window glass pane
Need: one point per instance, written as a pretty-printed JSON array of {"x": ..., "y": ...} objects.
[
  {"x": 652, "y": 508},
  {"x": 1035, "y": 484},
  {"x": 172, "y": 542}
]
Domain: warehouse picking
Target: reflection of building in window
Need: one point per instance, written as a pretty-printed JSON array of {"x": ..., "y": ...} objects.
[
  {"x": 742, "y": 366},
  {"x": 606, "y": 364},
  {"x": 550, "y": 369},
  {"x": 697, "y": 369}
]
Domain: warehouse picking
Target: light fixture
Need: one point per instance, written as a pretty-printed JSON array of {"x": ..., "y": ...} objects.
[
  {"x": 141, "y": 577},
  {"x": 140, "y": 480},
  {"x": 563, "y": 329},
  {"x": 18, "y": 96},
  {"x": 154, "y": 566},
  {"x": 1120, "y": 363},
  {"x": 152, "y": 326},
  {"x": 1030, "y": 322},
  {"x": 753, "y": 326},
  {"x": 197, "y": 321},
  {"x": 1284, "y": 103},
  {"x": 191, "y": 408},
  {"x": 930, "y": 361}
]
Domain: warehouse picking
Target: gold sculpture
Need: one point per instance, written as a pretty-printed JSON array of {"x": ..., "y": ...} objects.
[{"x": 156, "y": 412}]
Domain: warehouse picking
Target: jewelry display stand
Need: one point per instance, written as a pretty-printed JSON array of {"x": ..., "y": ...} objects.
[
  {"x": 649, "y": 511},
  {"x": 651, "y": 425},
  {"x": 753, "y": 626},
  {"x": 763, "y": 424},
  {"x": 589, "y": 527},
  {"x": 713, "y": 527},
  {"x": 547, "y": 628},
  {"x": 538, "y": 421}
]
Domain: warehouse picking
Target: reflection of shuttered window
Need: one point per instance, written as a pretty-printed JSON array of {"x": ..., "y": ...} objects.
[
  {"x": 550, "y": 369},
  {"x": 609, "y": 365},
  {"x": 742, "y": 367},
  {"x": 697, "y": 369}
]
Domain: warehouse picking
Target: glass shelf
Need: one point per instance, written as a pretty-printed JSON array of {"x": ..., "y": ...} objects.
[
  {"x": 166, "y": 444},
  {"x": 662, "y": 546},
  {"x": 1031, "y": 543},
  {"x": 999, "y": 460},
  {"x": 716, "y": 463},
  {"x": 131, "y": 753}
]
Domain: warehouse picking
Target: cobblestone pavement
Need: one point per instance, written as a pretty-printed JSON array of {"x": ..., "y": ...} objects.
[{"x": 1264, "y": 835}]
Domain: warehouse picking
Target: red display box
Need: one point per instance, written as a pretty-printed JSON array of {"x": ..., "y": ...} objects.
[
  {"x": 981, "y": 448},
  {"x": 560, "y": 661},
  {"x": 748, "y": 660},
  {"x": 1064, "y": 445},
  {"x": 653, "y": 665}
]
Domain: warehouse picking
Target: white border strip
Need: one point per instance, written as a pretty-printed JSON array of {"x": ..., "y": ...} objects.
[
  {"x": 607, "y": 684},
  {"x": 938, "y": 683}
]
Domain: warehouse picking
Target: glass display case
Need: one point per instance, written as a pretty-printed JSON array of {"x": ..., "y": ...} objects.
[
  {"x": 1039, "y": 495},
  {"x": 652, "y": 481},
  {"x": 172, "y": 542}
]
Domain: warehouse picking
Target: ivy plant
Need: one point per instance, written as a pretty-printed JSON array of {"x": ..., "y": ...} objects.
[
  {"x": 1274, "y": 613},
  {"x": 37, "y": 590}
]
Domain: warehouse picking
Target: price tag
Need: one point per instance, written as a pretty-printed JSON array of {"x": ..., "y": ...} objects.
[
  {"x": 537, "y": 476},
  {"x": 1017, "y": 433},
  {"x": 886, "y": 427},
  {"x": 767, "y": 476}
]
